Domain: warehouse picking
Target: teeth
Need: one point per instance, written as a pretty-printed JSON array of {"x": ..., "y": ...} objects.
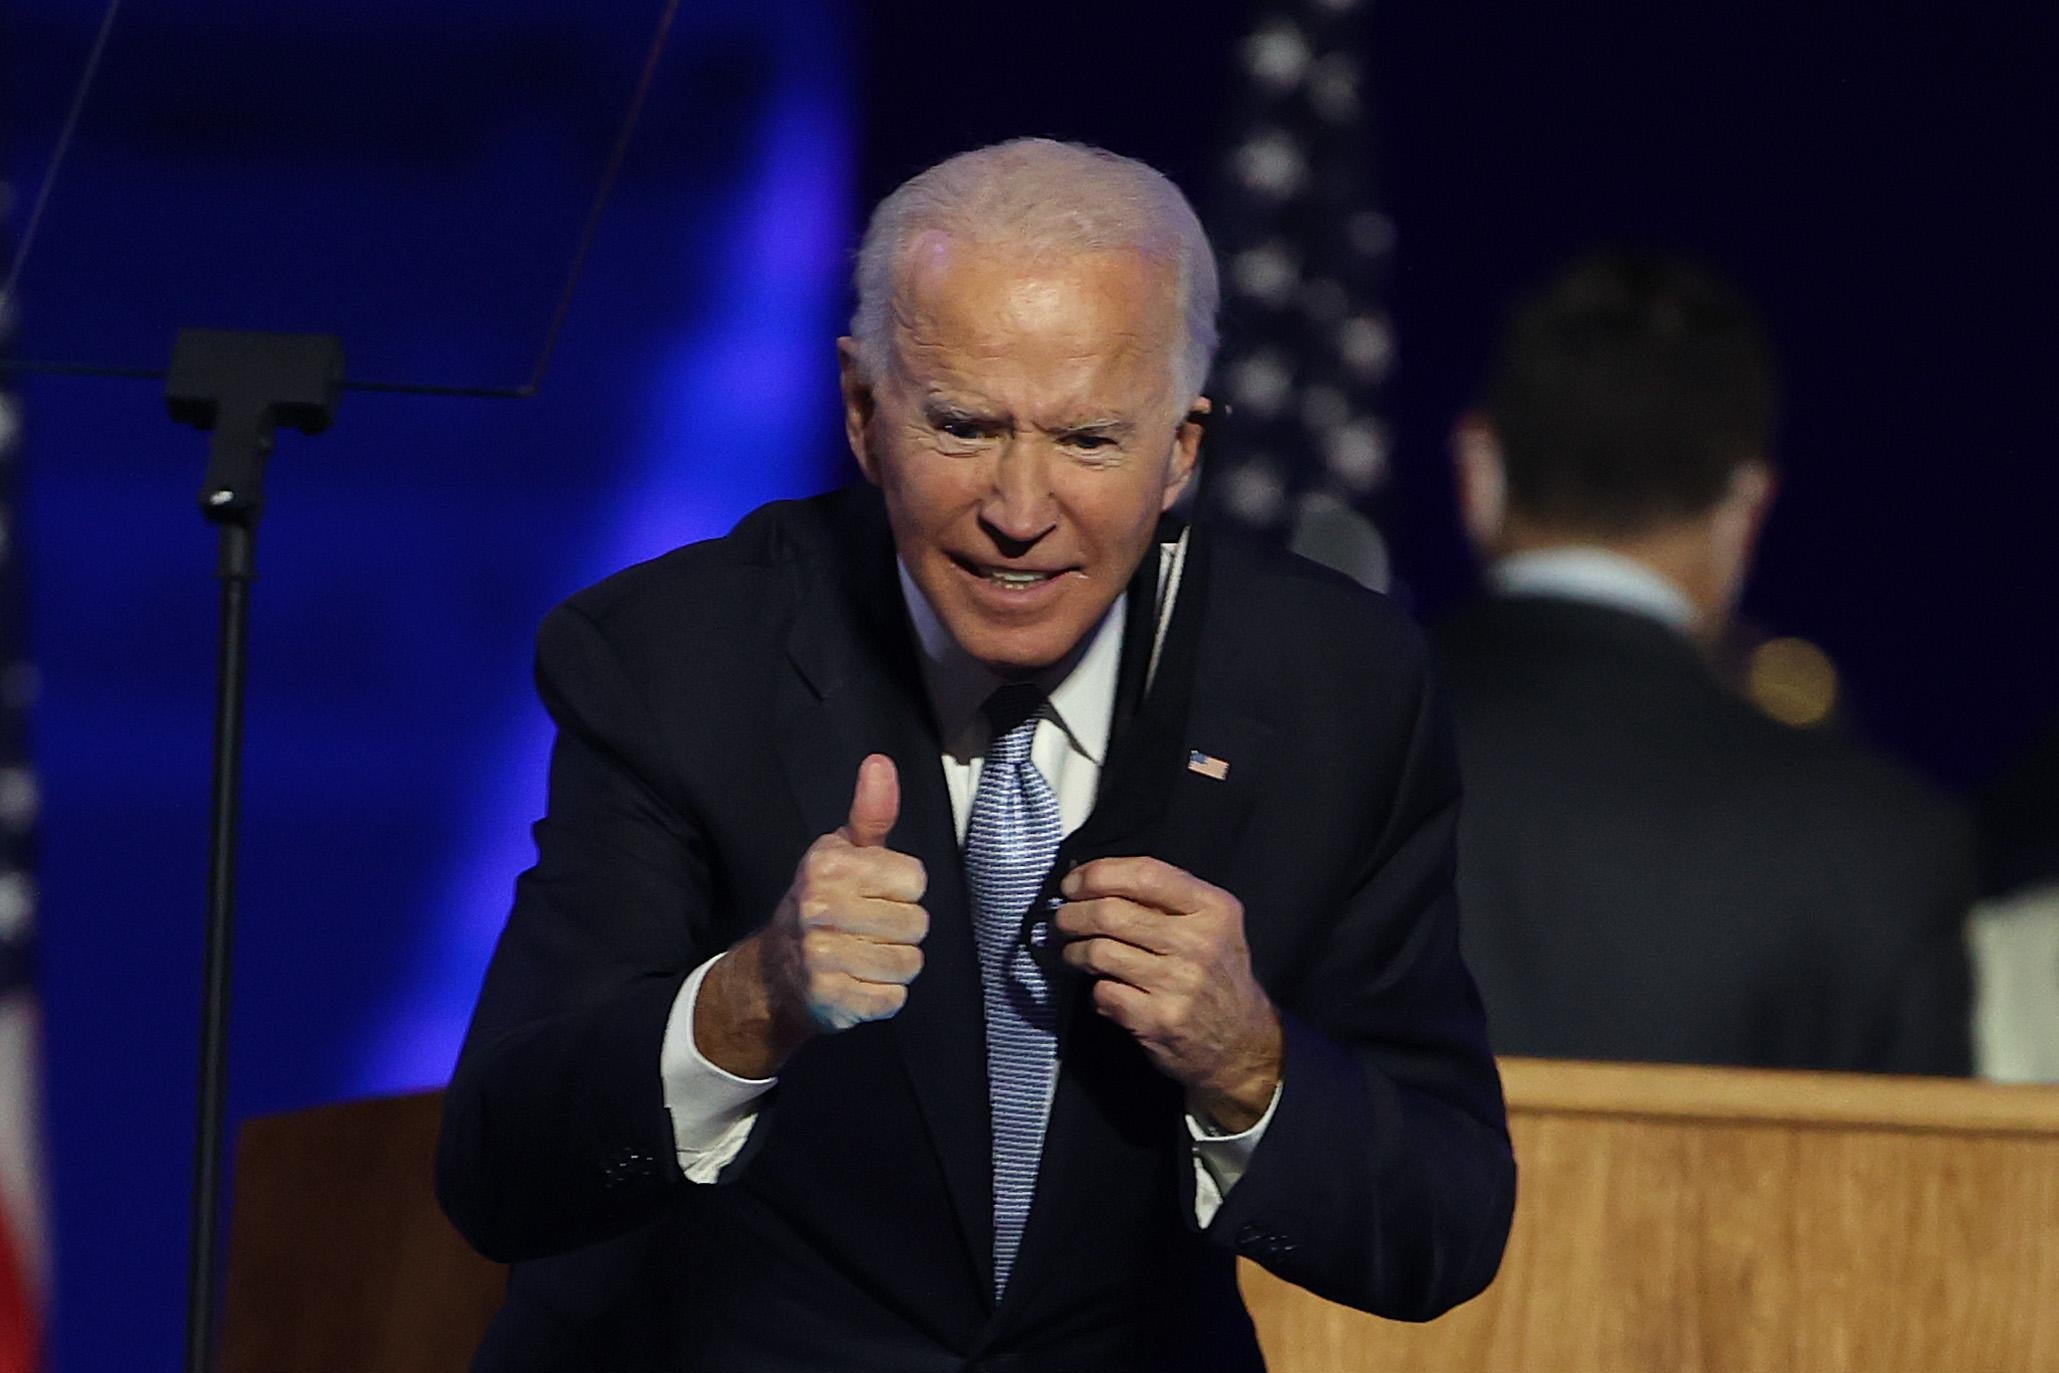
[{"x": 1017, "y": 578}]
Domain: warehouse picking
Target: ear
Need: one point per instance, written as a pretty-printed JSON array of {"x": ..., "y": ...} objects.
[
  {"x": 1482, "y": 480},
  {"x": 1732, "y": 530},
  {"x": 1741, "y": 514},
  {"x": 858, "y": 404},
  {"x": 1186, "y": 452}
]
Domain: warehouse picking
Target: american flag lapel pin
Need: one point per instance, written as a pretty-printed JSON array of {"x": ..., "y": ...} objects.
[{"x": 1208, "y": 765}]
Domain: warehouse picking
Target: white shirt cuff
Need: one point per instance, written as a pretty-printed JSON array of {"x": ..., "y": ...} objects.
[
  {"x": 1219, "y": 1159},
  {"x": 712, "y": 1110}
]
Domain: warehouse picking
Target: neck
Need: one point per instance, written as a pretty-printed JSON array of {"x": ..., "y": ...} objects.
[{"x": 1684, "y": 553}]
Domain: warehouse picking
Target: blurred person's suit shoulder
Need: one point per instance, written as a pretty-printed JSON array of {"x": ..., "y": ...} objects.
[{"x": 1652, "y": 869}]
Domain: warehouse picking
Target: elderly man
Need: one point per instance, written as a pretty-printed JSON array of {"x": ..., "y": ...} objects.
[{"x": 971, "y": 909}]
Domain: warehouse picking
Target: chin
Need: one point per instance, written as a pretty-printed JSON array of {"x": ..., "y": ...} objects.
[
  {"x": 1016, "y": 637},
  {"x": 1014, "y": 651}
]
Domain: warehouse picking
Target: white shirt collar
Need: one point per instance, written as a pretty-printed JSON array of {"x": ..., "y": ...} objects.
[
  {"x": 1597, "y": 577},
  {"x": 1080, "y": 686}
]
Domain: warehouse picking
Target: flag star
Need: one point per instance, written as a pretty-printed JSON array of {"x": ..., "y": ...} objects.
[
  {"x": 1357, "y": 454},
  {"x": 1255, "y": 491},
  {"x": 1271, "y": 165},
  {"x": 1277, "y": 55},
  {"x": 1266, "y": 273},
  {"x": 1366, "y": 344},
  {"x": 19, "y": 798},
  {"x": 17, "y": 905},
  {"x": 1261, "y": 384}
]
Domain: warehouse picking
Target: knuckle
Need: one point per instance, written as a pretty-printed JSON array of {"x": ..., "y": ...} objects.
[{"x": 816, "y": 947}]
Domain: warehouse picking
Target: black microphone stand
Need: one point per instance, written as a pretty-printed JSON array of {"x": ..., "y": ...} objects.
[{"x": 240, "y": 387}]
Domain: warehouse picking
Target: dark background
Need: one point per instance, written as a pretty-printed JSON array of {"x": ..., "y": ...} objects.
[{"x": 1874, "y": 175}]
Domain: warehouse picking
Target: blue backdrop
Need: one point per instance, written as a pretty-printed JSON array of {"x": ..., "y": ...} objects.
[{"x": 395, "y": 749}]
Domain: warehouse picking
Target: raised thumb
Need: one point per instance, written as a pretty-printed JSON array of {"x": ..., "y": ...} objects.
[{"x": 875, "y": 804}]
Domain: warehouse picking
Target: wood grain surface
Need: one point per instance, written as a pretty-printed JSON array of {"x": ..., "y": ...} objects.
[{"x": 1679, "y": 1220}]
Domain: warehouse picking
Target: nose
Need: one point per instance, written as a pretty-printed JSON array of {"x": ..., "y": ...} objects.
[{"x": 1019, "y": 509}]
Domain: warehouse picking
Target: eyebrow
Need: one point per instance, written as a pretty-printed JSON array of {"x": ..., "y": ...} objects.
[
  {"x": 940, "y": 410},
  {"x": 937, "y": 409},
  {"x": 1107, "y": 426}
]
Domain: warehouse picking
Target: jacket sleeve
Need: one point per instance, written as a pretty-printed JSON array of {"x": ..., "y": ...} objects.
[
  {"x": 1386, "y": 1180},
  {"x": 555, "y": 1133}
]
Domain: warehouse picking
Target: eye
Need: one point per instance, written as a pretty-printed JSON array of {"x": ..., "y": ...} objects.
[
  {"x": 964, "y": 429},
  {"x": 1090, "y": 443}
]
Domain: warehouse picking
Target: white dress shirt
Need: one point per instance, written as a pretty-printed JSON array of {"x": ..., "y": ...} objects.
[
  {"x": 713, "y": 1111},
  {"x": 1598, "y": 577}
]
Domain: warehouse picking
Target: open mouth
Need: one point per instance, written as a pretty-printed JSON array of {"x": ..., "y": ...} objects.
[{"x": 1009, "y": 578}]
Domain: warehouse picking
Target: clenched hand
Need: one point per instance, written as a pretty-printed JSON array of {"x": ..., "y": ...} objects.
[
  {"x": 841, "y": 947},
  {"x": 1171, "y": 966}
]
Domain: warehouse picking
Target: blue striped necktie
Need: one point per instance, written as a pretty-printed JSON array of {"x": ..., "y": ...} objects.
[{"x": 1009, "y": 845}]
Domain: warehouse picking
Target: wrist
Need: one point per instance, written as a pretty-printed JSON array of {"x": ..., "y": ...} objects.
[
  {"x": 740, "y": 1023},
  {"x": 1238, "y": 1099}
]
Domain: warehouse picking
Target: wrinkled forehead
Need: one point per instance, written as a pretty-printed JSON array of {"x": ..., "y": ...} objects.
[{"x": 1010, "y": 305}]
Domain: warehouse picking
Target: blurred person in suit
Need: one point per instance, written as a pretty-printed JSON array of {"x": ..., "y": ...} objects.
[{"x": 1651, "y": 869}]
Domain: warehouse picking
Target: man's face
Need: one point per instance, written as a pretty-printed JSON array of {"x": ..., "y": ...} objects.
[{"x": 1026, "y": 435}]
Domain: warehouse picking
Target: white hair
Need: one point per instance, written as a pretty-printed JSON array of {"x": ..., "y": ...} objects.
[{"x": 1040, "y": 196}]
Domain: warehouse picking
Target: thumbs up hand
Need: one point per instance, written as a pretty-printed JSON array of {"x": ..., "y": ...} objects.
[{"x": 840, "y": 949}]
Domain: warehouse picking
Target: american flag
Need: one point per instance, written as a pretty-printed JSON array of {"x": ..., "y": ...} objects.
[
  {"x": 21, "y": 1184},
  {"x": 1307, "y": 347}
]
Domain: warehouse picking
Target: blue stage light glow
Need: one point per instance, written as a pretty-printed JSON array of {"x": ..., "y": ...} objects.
[{"x": 744, "y": 414}]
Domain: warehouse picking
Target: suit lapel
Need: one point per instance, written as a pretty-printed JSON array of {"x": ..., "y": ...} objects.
[{"x": 857, "y": 690}]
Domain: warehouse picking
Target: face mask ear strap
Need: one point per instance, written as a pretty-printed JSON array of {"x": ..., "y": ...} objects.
[{"x": 1175, "y": 560}]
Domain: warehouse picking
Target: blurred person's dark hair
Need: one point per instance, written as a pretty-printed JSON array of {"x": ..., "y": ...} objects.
[{"x": 1627, "y": 391}]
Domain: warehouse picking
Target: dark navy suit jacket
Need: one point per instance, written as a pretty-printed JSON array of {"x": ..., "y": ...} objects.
[
  {"x": 1654, "y": 870},
  {"x": 712, "y": 708}
]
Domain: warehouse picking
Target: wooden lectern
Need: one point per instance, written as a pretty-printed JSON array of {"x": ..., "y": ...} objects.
[
  {"x": 1707, "y": 1220},
  {"x": 1669, "y": 1220}
]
